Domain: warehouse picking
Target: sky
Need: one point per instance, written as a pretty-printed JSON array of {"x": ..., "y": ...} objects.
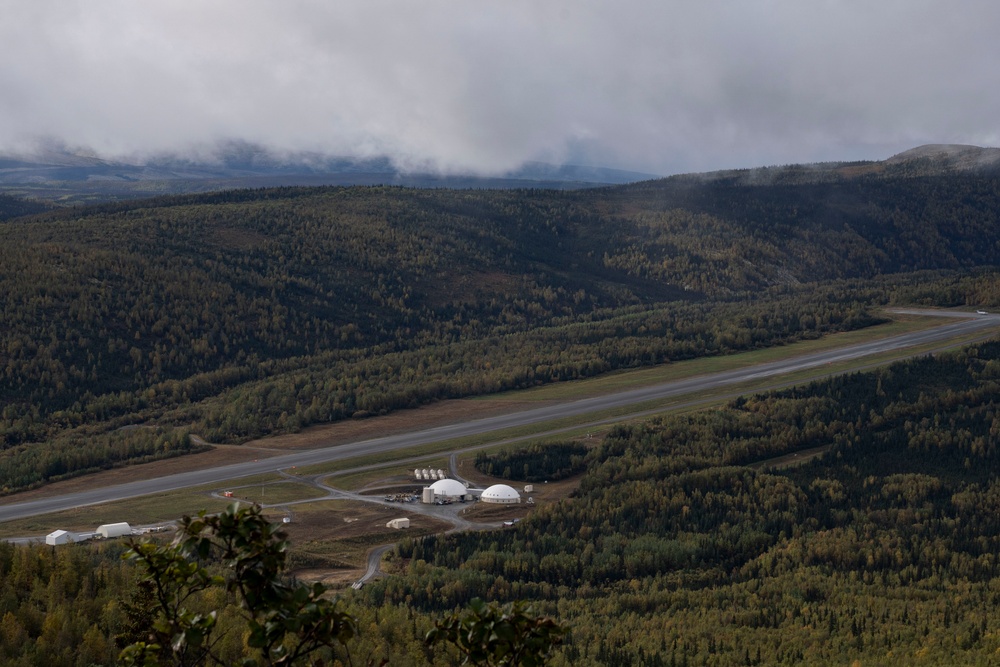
[{"x": 655, "y": 86}]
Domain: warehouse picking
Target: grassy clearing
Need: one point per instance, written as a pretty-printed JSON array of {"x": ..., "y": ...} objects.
[
  {"x": 142, "y": 510},
  {"x": 414, "y": 457},
  {"x": 136, "y": 511},
  {"x": 359, "y": 480},
  {"x": 239, "y": 482},
  {"x": 276, "y": 492},
  {"x": 338, "y": 533}
]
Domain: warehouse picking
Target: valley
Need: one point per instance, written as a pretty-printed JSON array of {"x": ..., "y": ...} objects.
[
  {"x": 656, "y": 334},
  {"x": 582, "y": 415},
  {"x": 783, "y": 382}
]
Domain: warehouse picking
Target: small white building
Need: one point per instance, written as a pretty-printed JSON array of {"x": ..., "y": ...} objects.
[
  {"x": 501, "y": 494},
  {"x": 61, "y": 537},
  {"x": 109, "y": 530},
  {"x": 398, "y": 524}
]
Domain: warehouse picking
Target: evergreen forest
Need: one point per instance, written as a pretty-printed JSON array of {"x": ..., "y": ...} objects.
[
  {"x": 699, "y": 539},
  {"x": 853, "y": 519},
  {"x": 537, "y": 462},
  {"x": 238, "y": 314},
  {"x": 693, "y": 539}
]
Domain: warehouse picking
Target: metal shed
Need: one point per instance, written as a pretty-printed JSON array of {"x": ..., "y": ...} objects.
[
  {"x": 61, "y": 537},
  {"x": 114, "y": 530}
]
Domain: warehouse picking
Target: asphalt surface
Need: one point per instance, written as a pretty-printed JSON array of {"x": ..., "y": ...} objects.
[
  {"x": 374, "y": 564},
  {"x": 964, "y": 324}
]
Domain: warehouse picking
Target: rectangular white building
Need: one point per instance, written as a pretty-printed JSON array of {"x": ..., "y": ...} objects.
[{"x": 61, "y": 537}]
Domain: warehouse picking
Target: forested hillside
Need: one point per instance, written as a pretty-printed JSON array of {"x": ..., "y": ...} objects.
[
  {"x": 684, "y": 545},
  {"x": 248, "y": 312},
  {"x": 244, "y": 313},
  {"x": 13, "y": 207},
  {"x": 691, "y": 540},
  {"x": 728, "y": 235}
]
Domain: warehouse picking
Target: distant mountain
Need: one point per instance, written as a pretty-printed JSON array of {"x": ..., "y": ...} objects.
[
  {"x": 569, "y": 173},
  {"x": 940, "y": 158},
  {"x": 64, "y": 176},
  {"x": 928, "y": 160},
  {"x": 56, "y": 173}
]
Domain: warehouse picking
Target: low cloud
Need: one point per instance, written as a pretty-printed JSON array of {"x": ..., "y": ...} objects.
[{"x": 483, "y": 87}]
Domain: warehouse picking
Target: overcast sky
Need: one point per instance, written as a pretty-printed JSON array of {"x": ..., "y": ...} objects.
[{"x": 658, "y": 86}]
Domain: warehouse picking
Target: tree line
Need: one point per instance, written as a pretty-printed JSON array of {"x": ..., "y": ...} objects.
[
  {"x": 251, "y": 312},
  {"x": 693, "y": 538},
  {"x": 537, "y": 462}
]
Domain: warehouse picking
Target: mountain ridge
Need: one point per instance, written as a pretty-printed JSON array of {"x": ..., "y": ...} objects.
[
  {"x": 390, "y": 297},
  {"x": 62, "y": 175}
]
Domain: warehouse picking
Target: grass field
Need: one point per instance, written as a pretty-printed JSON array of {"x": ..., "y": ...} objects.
[
  {"x": 332, "y": 535},
  {"x": 140, "y": 511},
  {"x": 359, "y": 480},
  {"x": 275, "y": 492}
]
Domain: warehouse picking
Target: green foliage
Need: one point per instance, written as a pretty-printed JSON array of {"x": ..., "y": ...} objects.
[
  {"x": 739, "y": 232},
  {"x": 491, "y": 635},
  {"x": 82, "y": 450},
  {"x": 689, "y": 540},
  {"x": 538, "y": 462},
  {"x": 13, "y": 207},
  {"x": 254, "y": 312},
  {"x": 286, "y": 622},
  {"x": 61, "y": 606},
  {"x": 977, "y": 289}
]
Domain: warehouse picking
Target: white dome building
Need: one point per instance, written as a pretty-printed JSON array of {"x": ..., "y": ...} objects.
[
  {"x": 501, "y": 494},
  {"x": 449, "y": 488}
]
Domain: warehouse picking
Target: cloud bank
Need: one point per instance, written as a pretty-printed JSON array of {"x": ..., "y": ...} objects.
[{"x": 485, "y": 86}]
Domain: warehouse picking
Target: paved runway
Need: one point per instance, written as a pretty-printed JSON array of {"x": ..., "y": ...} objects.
[{"x": 963, "y": 324}]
